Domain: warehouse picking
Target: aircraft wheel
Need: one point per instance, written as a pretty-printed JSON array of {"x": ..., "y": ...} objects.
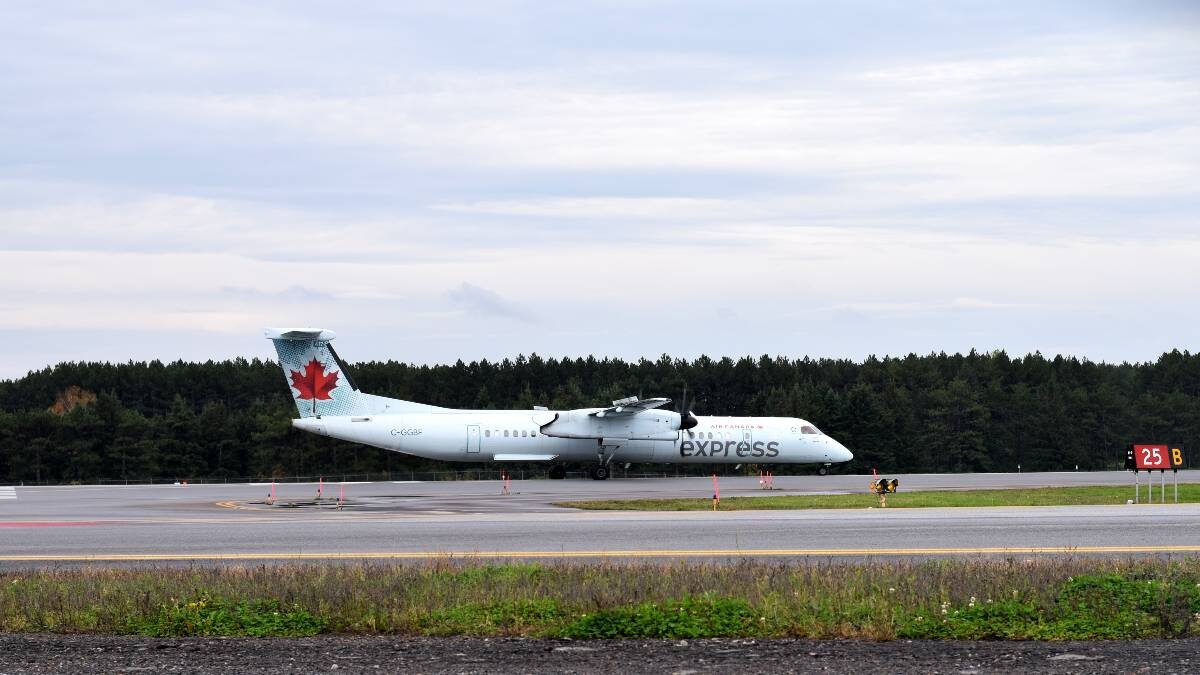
[
  {"x": 558, "y": 472},
  {"x": 822, "y": 471},
  {"x": 600, "y": 473}
]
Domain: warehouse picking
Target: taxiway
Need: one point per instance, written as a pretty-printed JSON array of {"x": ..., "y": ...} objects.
[{"x": 211, "y": 524}]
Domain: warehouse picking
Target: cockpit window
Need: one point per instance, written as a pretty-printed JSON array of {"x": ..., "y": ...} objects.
[{"x": 808, "y": 429}]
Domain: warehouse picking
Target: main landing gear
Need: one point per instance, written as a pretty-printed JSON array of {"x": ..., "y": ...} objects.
[
  {"x": 601, "y": 470},
  {"x": 598, "y": 472}
]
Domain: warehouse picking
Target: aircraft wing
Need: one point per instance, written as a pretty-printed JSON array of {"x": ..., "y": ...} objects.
[{"x": 631, "y": 406}]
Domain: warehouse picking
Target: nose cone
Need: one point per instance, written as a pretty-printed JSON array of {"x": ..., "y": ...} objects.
[{"x": 839, "y": 453}]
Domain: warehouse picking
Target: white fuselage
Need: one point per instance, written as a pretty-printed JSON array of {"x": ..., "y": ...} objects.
[
  {"x": 630, "y": 430},
  {"x": 512, "y": 435}
]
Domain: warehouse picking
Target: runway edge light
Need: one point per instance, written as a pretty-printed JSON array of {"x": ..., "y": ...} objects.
[{"x": 882, "y": 487}]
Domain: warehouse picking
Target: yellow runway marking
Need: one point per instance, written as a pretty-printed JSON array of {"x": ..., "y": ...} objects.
[{"x": 684, "y": 553}]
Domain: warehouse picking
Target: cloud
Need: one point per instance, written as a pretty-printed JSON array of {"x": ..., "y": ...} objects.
[
  {"x": 1088, "y": 119},
  {"x": 177, "y": 223},
  {"x": 476, "y": 300},
  {"x": 950, "y": 176},
  {"x": 638, "y": 208},
  {"x": 290, "y": 295},
  {"x": 931, "y": 307}
]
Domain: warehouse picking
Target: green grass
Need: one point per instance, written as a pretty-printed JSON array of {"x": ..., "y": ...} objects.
[
  {"x": 1054, "y": 598},
  {"x": 212, "y": 617},
  {"x": 688, "y": 617},
  {"x": 1086, "y": 495}
]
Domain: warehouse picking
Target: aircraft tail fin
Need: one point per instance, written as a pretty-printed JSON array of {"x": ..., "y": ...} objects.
[
  {"x": 316, "y": 377},
  {"x": 319, "y": 382}
]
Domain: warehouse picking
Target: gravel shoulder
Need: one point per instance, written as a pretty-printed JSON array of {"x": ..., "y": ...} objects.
[{"x": 21, "y": 653}]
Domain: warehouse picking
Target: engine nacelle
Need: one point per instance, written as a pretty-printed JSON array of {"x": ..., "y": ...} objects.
[{"x": 647, "y": 425}]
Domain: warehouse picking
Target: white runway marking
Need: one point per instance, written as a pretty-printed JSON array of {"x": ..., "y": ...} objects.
[{"x": 8, "y": 492}]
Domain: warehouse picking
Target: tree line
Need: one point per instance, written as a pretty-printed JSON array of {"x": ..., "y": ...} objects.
[{"x": 935, "y": 413}]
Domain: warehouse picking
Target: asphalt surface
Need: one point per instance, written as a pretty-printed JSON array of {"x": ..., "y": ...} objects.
[
  {"x": 91, "y": 653},
  {"x": 216, "y": 524}
]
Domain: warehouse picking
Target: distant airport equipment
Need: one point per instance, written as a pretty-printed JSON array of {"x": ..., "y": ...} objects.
[
  {"x": 631, "y": 429},
  {"x": 1153, "y": 457}
]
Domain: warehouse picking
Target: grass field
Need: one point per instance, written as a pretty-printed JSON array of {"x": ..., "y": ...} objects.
[
  {"x": 1039, "y": 598},
  {"x": 1087, "y": 495}
]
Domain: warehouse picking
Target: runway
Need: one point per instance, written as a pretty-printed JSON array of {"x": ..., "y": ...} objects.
[{"x": 222, "y": 524}]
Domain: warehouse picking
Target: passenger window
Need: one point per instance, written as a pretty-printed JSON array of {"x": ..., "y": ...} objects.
[
  {"x": 710, "y": 435},
  {"x": 488, "y": 433},
  {"x": 506, "y": 433},
  {"x": 806, "y": 429},
  {"x": 522, "y": 434}
]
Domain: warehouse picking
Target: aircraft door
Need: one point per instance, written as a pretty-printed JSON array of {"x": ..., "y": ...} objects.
[{"x": 472, "y": 438}]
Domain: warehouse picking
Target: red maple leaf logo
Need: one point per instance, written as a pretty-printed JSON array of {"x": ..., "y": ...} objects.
[{"x": 313, "y": 383}]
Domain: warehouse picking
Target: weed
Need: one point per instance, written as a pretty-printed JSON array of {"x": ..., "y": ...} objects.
[
  {"x": 1089, "y": 607},
  {"x": 501, "y": 618},
  {"x": 686, "y": 618},
  {"x": 205, "y": 616},
  {"x": 1007, "y": 619},
  {"x": 1114, "y": 606},
  {"x": 1046, "y": 598}
]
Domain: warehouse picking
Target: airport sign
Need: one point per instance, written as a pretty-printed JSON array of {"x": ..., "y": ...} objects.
[{"x": 1150, "y": 457}]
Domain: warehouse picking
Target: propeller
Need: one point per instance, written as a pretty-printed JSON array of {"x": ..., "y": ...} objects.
[{"x": 687, "y": 420}]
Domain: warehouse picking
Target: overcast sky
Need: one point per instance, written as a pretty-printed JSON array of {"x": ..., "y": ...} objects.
[{"x": 614, "y": 178}]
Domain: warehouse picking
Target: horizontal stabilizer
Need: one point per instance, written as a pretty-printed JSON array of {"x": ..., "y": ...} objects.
[{"x": 299, "y": 334}]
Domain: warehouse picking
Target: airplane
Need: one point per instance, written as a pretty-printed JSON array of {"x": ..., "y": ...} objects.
[{"x": 630, "y": 430}]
